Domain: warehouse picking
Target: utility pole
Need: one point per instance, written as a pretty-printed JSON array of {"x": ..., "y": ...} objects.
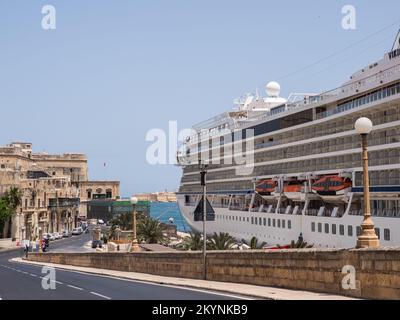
[{"x": 203, "y": 173}]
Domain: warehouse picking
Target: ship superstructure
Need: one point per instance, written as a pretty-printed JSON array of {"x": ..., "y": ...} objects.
[{"x": 305, "y": 173}]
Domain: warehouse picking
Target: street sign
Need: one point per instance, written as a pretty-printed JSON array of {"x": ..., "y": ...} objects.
[{"x": 199, "y": 211}]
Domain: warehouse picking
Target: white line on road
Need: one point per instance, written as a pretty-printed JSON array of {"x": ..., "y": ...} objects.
[
  {"x": 100, "y": 295},
  {"x": 33, "y": 275},
  {"x": 58, "y": 282},
  {"x": 24, "y": 272},
  {"x": 77, "y": 288}
]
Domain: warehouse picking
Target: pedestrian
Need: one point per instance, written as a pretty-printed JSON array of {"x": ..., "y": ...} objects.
[{"x": 26, "y": 251}]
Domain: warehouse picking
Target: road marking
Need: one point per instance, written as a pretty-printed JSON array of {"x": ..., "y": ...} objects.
[
  {"x": 77, "y": 288},
  {"x": 58, "y": 282},
  {"x": 33, "y": 275},
  {"x": 100, "y": 295},
  {"x": 24, "y": 272}
]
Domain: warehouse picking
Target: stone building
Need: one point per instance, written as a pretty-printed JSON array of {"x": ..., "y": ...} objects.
[{"x": 54, "y": 189}]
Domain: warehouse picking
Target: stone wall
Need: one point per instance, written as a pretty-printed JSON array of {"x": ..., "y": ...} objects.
[{"x": 377, "y": 270}]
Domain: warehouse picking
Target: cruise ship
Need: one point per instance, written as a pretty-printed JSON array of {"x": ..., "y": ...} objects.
[{"x": 305, "y": 179}]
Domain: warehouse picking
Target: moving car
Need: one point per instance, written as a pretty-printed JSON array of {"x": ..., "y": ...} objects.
[{"x": 77, "y": 231}]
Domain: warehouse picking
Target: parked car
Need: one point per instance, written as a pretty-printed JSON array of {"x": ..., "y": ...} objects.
[
  {"x": 57, "y": 235},
  {"x": 66, "y": 234},
  {"x": 97, "y": 244},
  {"x": 77, "y": 231},
  {"x": 52, "y": 237}
]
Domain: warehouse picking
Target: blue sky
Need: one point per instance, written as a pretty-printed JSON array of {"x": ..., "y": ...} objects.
[{"x": 112, "y": 70}]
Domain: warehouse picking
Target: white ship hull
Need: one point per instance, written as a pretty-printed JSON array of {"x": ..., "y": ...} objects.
[{"x": 298, "y": 224}]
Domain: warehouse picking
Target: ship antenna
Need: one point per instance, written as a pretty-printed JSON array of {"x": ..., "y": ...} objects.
[{"x": 396, "y": 44}]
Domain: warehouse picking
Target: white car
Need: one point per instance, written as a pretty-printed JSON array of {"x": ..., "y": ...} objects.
[
  {"x": 57, "y": 235},
  {"x": 47, "y": 236},
  {"x": 77, "y": 231}
]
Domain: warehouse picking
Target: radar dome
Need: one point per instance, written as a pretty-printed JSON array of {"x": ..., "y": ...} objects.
[{"x": 273, "y": 89}]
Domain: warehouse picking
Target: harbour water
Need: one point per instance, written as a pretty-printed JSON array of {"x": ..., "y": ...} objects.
[{"x": 163, "y": 211}]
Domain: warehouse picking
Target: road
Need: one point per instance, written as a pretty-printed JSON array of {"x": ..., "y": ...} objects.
[{"x": 21, "y": 281}]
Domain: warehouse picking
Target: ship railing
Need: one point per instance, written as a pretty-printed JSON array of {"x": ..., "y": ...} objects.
[{"x": 226, "y": 121}]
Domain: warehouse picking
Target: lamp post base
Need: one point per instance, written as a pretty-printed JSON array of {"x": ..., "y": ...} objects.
[
  {"x": 135, "y": 246},
  {"x": 368, "y": 237},
  {"x": 367, "y": 242}
]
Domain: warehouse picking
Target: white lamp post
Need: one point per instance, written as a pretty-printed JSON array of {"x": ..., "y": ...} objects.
[
  {"x": 368, "y": 237},
  {"x": 135, "y": 245}
]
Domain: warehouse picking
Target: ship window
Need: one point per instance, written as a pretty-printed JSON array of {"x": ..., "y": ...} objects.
[
  {"x": 358, "y": 231},
  {"x": 378, "y": 232},
  {"x": 252, "y": 220},
  {"x": 326, "y": 228},
  {"x": 248, "y": 219},
  {"x": 386, "y": 234},
  {"x": 269, "y": 222},
  {"x": 341, "y": 230},
  {"x": 259, "y": 221},
  {"x": 289, "y": 224},
  {"x": 333, "y": 228},
  {"x": 319, "y": 227},
  {"x": 265, "y": 221},
  {"x": 279, "y": 223},
  {"x": 350, "y": 231},
  {"x": 273, "y": 223},
  {"x": 313, "y": 226},
  {"x": 283, "y": 224}
]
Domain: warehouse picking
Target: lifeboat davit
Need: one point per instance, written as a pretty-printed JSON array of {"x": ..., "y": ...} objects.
[
  {"x": 293, "y": 190},
  {"x": 332, "y": 187},
  {"x": 266, "y": 188}
]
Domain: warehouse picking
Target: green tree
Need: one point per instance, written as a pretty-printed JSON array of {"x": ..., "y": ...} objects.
[
  {"x": 5, "y": 214},
  {"x": 221, "y": 241},
  {"x": 9, "y": 203},
  {"x": 150, "y": 230},
  {"x": 123, "y": 221},
  {"x": 194, "y": 242},
  {"x": 254, "y": 244},
  {"x": 13, "y": 198}
]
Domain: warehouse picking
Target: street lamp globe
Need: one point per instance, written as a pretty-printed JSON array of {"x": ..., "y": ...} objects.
[
  {"x": 134, "y": 200},
  {"x": 363, "y": 125}
]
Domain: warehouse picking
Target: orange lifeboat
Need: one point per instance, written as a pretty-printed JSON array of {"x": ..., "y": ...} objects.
[
  {"x": 293, "y": 190},
  {"x": 332, "y": 185},
  {"x": 266, "y": 187}
]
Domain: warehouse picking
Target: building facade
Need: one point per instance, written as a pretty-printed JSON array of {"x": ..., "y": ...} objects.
[{"x": 54, "y": 190}]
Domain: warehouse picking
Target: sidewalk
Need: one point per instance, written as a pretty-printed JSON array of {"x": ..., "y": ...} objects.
[{"x": 257, "y": 292}]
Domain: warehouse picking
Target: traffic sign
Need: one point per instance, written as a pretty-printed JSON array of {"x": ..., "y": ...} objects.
[{"x": 199, "y": 211}]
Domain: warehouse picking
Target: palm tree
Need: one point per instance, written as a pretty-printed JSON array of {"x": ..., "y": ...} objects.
[
  {"x": 194, "y": 242},
  {"x": 299, "y": 244},
  {"x": 221, "y": 241},
  {"x": 150, "y": 230},
  {"x": 123, "y": 221},
  {"x": 254, "y": 244}
]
